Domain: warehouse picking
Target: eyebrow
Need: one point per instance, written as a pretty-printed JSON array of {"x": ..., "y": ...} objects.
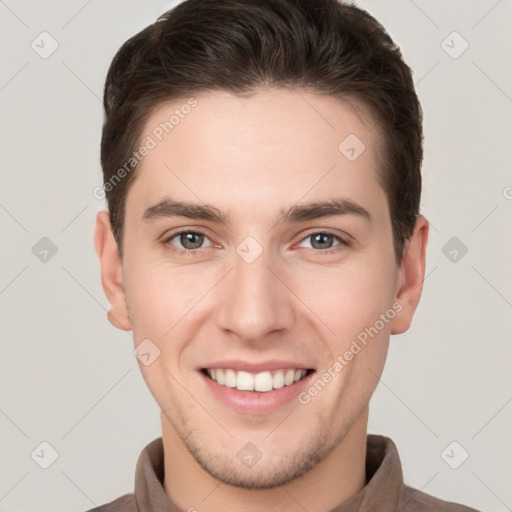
[{"x": 169, "y": 208}]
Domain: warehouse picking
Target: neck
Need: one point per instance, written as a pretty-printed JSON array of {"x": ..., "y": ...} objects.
[{"x": 336, "y": 478}]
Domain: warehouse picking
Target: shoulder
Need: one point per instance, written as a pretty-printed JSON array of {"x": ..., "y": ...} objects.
[
  {"x": 418, "y": 501},
  {"x": 125, "y": 503}
]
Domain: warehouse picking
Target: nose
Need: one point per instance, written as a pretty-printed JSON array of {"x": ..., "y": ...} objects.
[{"x": 255, "y": 302}]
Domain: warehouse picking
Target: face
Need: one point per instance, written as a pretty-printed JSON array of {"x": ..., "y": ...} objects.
[{"x": 257, "y": 254}]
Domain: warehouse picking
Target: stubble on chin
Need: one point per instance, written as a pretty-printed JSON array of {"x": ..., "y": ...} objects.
[{"x": 270, "y": 471}]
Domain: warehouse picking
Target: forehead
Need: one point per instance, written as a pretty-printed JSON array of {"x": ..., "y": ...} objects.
[{"x": 275, "y": 145}]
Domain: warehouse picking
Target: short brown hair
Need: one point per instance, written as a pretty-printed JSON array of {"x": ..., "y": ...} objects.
[{"x": 241, "y": 46}]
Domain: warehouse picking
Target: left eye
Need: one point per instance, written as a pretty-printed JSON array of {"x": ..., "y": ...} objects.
[{"x": 321, "y": 241}]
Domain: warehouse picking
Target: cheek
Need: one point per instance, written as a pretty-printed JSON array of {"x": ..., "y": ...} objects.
[
  {"x": 159, "y": 297},
  {"x": 347, "y": 298}
]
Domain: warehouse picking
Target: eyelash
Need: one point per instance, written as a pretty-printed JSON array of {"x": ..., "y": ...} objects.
[{"x": 194, "y": 252}]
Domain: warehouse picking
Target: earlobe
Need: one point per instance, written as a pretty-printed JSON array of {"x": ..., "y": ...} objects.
[
  {"x": 111, "y": 271},
  {"x": 411, "y": 276}
]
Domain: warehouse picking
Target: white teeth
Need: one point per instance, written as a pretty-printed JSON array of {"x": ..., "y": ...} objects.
[
  {"x": 230, "y": 378},
  {"x": 288, "y": 378},
  {"x": 261, "y": 382},
  {"x": 278, "y": 379},
  {"x": 244, "y": 381}
]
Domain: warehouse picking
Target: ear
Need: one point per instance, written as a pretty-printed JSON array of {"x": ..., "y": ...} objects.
[
  {"x": 411, "y": 276},
  {"x": 111, "y": 271}
]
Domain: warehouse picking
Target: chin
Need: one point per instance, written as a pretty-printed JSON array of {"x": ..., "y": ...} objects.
[{"x": 259, "y": 467}]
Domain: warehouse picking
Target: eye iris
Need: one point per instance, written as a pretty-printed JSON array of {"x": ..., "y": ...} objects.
[
  {"x": 321, "y": 238},
  {"x": 196, "y": 239}
]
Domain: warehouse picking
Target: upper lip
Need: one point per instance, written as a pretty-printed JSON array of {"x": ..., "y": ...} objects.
[{"x": 255, "y": 367}]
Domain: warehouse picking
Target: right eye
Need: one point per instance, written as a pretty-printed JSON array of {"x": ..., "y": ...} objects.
[{"x": 191, "y": 242}]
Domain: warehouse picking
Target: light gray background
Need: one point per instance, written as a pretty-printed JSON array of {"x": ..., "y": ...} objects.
[{"x": 69, "y": 378}]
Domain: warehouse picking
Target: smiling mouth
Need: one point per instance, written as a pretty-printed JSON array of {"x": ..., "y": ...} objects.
[{"x": 262, "y": 382}]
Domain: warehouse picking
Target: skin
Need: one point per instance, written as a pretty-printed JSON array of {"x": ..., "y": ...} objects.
[{"x": 251, "y": 157}]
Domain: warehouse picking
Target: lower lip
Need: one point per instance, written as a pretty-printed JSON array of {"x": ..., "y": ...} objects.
[{"x": 255, "y": 402}]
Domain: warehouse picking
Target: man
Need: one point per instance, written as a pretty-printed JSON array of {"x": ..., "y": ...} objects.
[{"x": 263, "y": 240}]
